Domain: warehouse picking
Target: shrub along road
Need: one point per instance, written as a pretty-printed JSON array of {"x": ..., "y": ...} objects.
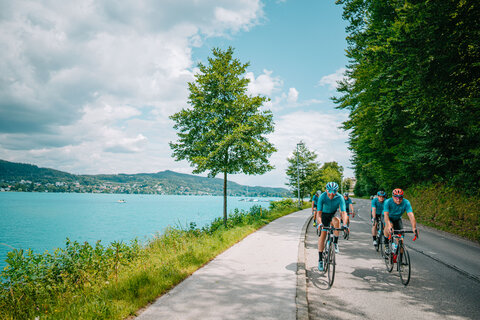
[{"x": 363, "y": 289}]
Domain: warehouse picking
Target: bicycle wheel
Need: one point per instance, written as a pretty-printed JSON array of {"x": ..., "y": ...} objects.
[
  {"x": 389, "y": 259},
  {"x": 403, "y": 265},
  {"x": 331, "y": 265},
  {"x": 381, "y": 246}
]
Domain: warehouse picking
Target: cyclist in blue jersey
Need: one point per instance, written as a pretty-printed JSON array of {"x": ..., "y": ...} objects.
[
  {"x": 348, "y": 207},
  {"x": 393, "y": 210},
  {"x": 377, "y": 214},
  {"x": 327, "y": 206},
  {"x": 314, "y": 208}
]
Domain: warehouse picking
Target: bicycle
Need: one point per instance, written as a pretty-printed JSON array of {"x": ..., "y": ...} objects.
[
  {"x": 329, "y": 253},
  {"x": 380, "y": 244},
  {"x": 346, "y": 231},
  {"x": 399, "y": 255}
]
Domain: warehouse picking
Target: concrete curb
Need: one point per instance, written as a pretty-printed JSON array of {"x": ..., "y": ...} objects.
[{"x": 301, "y": 296}]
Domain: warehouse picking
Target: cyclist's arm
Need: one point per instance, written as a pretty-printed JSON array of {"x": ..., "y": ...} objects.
[
  {"x": 344, "y": 216},
  {"x": 387, "y": 220},
  {"x": 412, "y": 220},
  {"x": 374, "y": 212},
  {"x": 351, "y": 210}
]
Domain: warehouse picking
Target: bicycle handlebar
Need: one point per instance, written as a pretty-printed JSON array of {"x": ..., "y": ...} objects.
[
  {"x": 402, "y": 231},
  {"x": 334, "y": 229}
]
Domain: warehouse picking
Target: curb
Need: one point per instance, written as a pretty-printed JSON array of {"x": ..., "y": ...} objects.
[{"x": 301, "y": 296}]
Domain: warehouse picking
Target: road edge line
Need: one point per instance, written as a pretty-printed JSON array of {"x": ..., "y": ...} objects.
[
  {"x": 451, "y": 266},
  {"x": 301, "y": 291}
]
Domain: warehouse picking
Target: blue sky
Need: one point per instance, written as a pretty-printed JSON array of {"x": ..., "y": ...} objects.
[{"x": 88, "y": 88}]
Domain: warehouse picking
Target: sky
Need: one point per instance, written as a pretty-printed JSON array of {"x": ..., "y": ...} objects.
[{"x": 88, "y": 87}]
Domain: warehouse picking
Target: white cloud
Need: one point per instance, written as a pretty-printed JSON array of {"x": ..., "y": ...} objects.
[
  {"x": 265, "y": 84},
  {"x": 292, "y": 95},
  {"x": 82, "y": 81},
  {"x": 319, "y": 131},
  {"x": 331, "y": 80}
]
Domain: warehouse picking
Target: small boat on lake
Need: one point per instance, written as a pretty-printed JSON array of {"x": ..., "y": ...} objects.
[{"x": 121, "y": 201}]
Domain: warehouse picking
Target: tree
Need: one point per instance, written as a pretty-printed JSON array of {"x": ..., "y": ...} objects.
[
  {"x": 303, "y": 170},
  {"x": 413, "y": 92},
  {"x": 224, "y": 130}
]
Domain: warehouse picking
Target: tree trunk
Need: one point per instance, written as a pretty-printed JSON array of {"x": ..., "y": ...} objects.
[{"x": 225, "y": 198}]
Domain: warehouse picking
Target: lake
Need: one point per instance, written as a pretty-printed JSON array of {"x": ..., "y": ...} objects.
[{"x": 42, "y": 221}]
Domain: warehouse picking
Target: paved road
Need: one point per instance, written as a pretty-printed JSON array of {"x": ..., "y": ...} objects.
[
  {"x": 254, "y": 279},
  {"x": 363, "y": 289}
]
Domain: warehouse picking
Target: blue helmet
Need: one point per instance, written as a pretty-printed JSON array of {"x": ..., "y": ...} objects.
[
  {"x": 332, "y": 187},
  {"x": 381, "y": 193}
]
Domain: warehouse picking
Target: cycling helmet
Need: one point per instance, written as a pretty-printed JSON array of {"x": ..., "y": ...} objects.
[
  {"x": 346, "y": 194},
  {"x": 332, "y": 187},
  {"x": 381, "y": 193},
  {"x": 397, "y": 193}
]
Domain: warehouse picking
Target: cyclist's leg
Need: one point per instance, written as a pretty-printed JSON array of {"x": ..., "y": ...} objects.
[{"x": 326, "y": 218}]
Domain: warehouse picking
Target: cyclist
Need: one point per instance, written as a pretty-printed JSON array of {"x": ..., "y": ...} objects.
[
  {"x": 377, "y": 214},
  {"x": 393, "y": 210},
  {"x": 314, "y": 207},
  {"x": 327, "y": 205},
  {"x": 348, "y": 207}
]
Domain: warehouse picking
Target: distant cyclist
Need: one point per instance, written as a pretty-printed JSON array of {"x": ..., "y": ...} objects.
[
  {"x": 393, "y": 210},
  {"x": 377, "y": 213},
  {"x": 327, "y": 206},
  {"x": 348, "y": 207},
  {"x": 314, "y": 207}
]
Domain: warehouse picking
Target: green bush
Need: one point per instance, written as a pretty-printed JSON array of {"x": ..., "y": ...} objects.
[{"x": 446, "y": 208}]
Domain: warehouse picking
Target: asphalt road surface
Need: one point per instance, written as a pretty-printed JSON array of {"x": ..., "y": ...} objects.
[{"x": 444, "y": 282}]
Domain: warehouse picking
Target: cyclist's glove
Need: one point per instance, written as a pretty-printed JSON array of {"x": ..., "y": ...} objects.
[{"x": 373, "y": 220}]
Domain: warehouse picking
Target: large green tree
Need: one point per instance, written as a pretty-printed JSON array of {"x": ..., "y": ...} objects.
[{"x": 224, "y": 129}]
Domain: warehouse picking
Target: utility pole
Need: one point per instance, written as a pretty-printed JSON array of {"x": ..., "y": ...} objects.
[{"x": 298, "y": 177}]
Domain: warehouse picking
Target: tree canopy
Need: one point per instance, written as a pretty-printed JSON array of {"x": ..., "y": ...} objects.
[
  {"x": 304, "y": 171},
  {"x": 413, "y": 91},
  {"x": 224, "y": 130}
]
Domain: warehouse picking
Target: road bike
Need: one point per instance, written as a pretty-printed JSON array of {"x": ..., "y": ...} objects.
[
  {"x": 398, "y": 254},
  {"x": 380, "y": 245},
  {"x": 329, "y": 253}
]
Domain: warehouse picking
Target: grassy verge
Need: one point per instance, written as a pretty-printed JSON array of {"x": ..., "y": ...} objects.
[
  {"x": 446, "y": 209},
  {"x": 95, "y": 282}
]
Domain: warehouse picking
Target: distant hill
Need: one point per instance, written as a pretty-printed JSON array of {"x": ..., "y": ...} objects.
[{"x": 28, "y": 177}]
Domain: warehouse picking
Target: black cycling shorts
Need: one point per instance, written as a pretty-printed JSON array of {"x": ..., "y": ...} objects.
[
  {"x": 397, "y": 224},
  {"x": 327, "y": 218}
]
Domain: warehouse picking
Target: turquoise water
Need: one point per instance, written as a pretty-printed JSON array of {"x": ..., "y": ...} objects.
[{"x": 42, "y": 221}]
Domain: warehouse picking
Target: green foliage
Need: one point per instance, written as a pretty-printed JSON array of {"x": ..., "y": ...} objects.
[
  {"x": 82, "y": 281},
  {"x": 444, "y": 208},
  {"x": 311, "y": 176},
  {"x": 224, "y": 130},
  {"x": 412, "y": 89}
]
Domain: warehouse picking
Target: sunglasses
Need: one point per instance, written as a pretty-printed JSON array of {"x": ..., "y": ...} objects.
[{"x": 399, "y": 197}]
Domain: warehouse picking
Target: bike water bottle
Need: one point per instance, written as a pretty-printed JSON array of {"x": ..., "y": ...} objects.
[{"x": 394, "y": 247}]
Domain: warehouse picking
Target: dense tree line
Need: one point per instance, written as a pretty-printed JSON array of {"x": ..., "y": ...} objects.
[{"x": 412, "y": 87}]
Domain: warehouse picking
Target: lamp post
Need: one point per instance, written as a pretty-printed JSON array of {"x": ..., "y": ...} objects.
[{"x": 298, "y": 177}]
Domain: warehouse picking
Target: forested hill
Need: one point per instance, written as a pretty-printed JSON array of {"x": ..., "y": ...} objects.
[{"x": 27, "y": 177}]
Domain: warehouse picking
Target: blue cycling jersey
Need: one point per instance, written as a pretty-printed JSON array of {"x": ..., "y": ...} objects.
[
  {"x": 347, "y": 203},
  {"x": 378, "y": 205},
  {"x": 315, "y": 199},
  {"x": 395, "y": 211},
  {"x": 324, "y": 203}
]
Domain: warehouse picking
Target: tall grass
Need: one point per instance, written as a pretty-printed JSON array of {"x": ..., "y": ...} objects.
[
  {"x": 446, "y": 208},
  {"x": 82, "y": 281}
]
